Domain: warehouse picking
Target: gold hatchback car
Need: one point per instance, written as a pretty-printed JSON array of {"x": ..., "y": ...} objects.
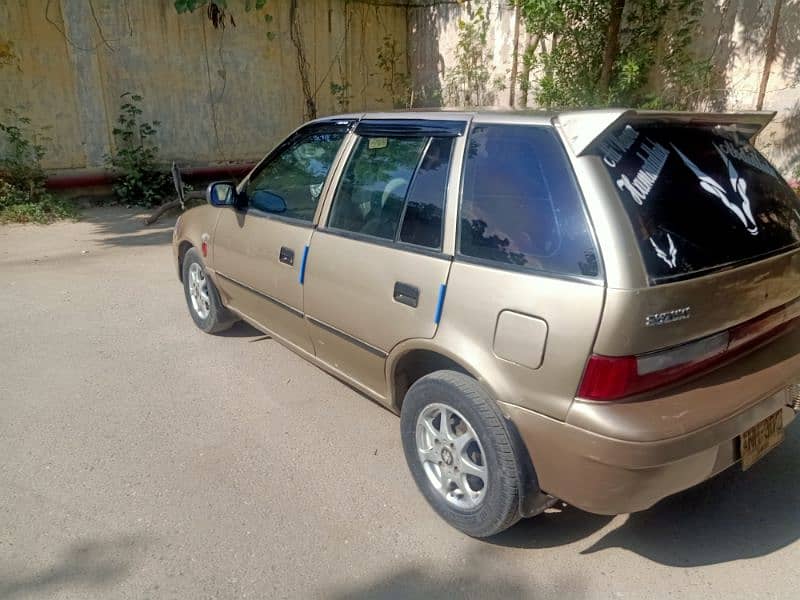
[{"x": 597, "y": 306}]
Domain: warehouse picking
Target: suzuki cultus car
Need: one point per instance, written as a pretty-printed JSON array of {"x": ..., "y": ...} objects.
[{"x": 598, "y": 307}]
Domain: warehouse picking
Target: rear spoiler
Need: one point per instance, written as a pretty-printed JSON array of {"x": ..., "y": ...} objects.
[{"x": 583, "y": 128}]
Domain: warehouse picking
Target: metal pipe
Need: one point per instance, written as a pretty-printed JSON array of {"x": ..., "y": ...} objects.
[{"x": 97, "y": 177}]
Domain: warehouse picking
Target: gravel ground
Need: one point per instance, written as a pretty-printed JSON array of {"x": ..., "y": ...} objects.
[{"x": 141, "y": 458}]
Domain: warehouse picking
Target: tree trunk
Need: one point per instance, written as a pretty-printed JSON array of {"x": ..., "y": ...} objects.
[
  {"x": 525, "y": 76},
  {"x": 514, "y": 59},
  {"x": 769, "y": 56},
  {"x": 612, "y": 46}
]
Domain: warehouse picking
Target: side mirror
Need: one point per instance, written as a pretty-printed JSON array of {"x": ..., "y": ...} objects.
[
  {"x": 221, "y": 193},
  {"x": 268, "y": 202}
]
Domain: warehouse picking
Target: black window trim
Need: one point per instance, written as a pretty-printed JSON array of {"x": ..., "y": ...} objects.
[
  {"x": 599, "y": 279},
  {"x": 410, "y": 127}
]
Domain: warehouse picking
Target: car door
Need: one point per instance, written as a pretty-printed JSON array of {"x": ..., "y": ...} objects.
[
  {"x": 259, "y": 246},
  {"x": 376, "y": 272}
]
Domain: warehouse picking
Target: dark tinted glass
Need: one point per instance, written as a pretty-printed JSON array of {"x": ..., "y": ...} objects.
[
  {"x": 698, "y": 198},
  {"x": 520, "y": 203},
  {"x": 422, "y": 222},
  {"x": 290, "y": 183},
  {"x": 373, "y": 188}
]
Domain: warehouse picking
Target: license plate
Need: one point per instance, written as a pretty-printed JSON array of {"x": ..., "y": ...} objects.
[{"x": 756, "y": 442}]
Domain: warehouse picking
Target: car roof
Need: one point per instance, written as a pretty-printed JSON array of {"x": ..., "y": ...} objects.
[{"x": 581, "y": 127}]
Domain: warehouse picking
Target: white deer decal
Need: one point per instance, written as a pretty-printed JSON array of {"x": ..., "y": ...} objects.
[
  {"x": 743, "y": 212},
  {"x": 672, "y": 258}
]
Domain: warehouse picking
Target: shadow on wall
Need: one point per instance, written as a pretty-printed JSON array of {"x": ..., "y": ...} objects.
[
  {"x": 788, "y": 144},
  {"x": 425, "y": 24},
  {"x": 740, "y": 31},
  {"x": 96, "y": 564},
  {"x": 734, "y": 516}
]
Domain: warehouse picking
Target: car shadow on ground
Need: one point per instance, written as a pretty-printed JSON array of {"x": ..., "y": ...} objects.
[
  {"x": 737, "y": 515},
  {"x": 117, "y": 226},
  {"x": 240, "y": 329},
  {"x": 473, "y": 578},
  {"x": 94, "y": 564}
]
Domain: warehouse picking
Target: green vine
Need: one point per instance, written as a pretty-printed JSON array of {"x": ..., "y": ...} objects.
[
  {"x": 23, "y": 195},
  {"x": 141, "y": 181}
]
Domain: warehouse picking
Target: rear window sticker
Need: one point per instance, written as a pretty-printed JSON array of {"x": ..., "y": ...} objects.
[
  {"x": 670, "y": 256},
  {"x": 743, "y": 212},
  {"x": 654, "y": 157},
  {"x": 615, "y": 147},
  {"x": 748, "y": 155}
]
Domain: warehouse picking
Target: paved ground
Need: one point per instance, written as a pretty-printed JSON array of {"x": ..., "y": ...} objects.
[{"x": 140, "y": 458}]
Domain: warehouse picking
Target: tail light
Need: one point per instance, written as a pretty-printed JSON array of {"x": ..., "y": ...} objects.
[{"x": 614, "y": 377}]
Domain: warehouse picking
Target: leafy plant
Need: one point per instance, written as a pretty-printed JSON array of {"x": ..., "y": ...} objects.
[
  {"x": 469, "y": 80},
  {"x": 396, "y": 81},
  {"x": 141, "y": 182},
  {"x": 341, "y": 93},
  {"x": 23, "y": 196},
  {"x": 650, "y": 62}
]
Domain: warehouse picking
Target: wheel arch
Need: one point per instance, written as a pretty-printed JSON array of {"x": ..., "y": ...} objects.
[
  {"x": 414, "y": 359},
  {"x": 183, "y": 248},
  {"x": 411, "y": 361}
]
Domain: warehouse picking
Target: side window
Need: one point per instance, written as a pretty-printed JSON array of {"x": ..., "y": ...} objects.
[
  {"x": 520, "y": 203},
  {"x": 290, "y": 183},
  {"x": 389, "y": 181},
  {"x": 422, "y": 222},
  {"x": 373, "y": 187}
]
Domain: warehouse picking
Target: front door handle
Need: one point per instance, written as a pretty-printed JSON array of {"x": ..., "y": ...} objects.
[
  {"x": 286, "y": 255},
  {"x": 407, "y": 294}
]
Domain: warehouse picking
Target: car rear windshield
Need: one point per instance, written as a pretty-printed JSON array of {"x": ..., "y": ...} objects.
[{"x": 699, "y": 198}]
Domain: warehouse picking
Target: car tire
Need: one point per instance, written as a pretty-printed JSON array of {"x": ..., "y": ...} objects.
[
  {"x": 202, "y": 297},
  {"x": 443, "y": 470}
]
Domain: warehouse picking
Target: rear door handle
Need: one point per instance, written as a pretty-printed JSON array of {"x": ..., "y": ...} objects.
[
  {"x": 286, "y": 255},
  {"x": 406, "y": 294}
]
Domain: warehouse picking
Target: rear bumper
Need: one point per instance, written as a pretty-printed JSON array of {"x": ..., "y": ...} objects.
[{"x": 605, "y": 475}]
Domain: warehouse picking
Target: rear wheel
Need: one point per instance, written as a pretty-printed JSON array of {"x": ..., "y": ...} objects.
[
  {"x": 461, "y": 454},
  {"x": 202, "y": 296}
]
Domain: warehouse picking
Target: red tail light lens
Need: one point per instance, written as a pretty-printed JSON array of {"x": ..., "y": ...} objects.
[{"x": 609, "y": 378}]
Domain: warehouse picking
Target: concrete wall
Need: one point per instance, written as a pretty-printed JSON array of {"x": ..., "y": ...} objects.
[
  {"x": 735, "y": 36},
  {"x": 433, "y": 29},
  {"x": 221, "y": 95},
  {"x": 738, "y": 31},
  {"x": 230, "y": 95}
]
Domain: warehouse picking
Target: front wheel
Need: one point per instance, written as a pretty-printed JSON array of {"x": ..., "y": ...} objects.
[
  {"x": 202, "y": 297},
  {"x": 461, "y": 453}
]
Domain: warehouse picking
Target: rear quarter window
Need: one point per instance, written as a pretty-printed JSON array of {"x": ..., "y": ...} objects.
[
  {"x": 698, "y": 198},
  {"x": 520, "y": 203}
]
